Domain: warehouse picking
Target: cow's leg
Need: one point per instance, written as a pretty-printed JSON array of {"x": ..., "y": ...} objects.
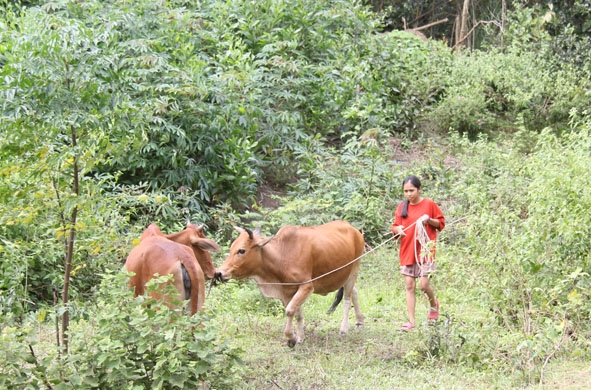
[
  {"x": 289, "y": 331},
  {"x": 350, "y": 295},
  {"x": 299, "y": 315},
  {"x": 345, "y": 322},
  {"x": 358, "y": 315},
  {"x": 294, "y": 308}
]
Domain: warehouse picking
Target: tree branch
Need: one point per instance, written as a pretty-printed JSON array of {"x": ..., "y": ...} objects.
[{"x": 473, "y": 28}]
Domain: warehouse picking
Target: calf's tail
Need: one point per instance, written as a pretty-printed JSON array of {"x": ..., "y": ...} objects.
[{"x": 337, "y": 299}]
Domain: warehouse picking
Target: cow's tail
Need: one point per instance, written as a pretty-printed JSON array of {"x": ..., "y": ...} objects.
[
  {"x": 337, "y": 299},
  {"x": 186, "y": 281},
  {"x": 194, "y": 284}
]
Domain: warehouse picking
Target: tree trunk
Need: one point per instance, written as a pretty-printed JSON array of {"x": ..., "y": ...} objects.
[
  {"x": 503, "y": 18},
  {"x": 464, "y": 23},
  {"x": 70, "y": 251}
]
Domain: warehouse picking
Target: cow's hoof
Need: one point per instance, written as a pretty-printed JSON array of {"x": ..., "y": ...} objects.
[
  {"x": 359, "y": 326},
  {"x": 291, "y": 343}
]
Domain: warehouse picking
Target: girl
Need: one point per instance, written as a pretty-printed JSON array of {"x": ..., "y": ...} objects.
[{"x": 416, "y": 261}]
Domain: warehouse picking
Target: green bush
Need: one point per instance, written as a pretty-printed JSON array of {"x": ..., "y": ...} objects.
[
  {"x": 520, "y": 82},
  {"x": 526, "y": 217},
  {"x": 354, "y": 186},
  {"x": 125, "y": 342}
]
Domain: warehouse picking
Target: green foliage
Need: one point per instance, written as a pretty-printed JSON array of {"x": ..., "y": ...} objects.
[
  {"x": 20, "y": 366},
  {"x": 33, "y": 237},
  {"x": 207, "y": 97},
  {"x": 398, "y": 86},
  {"x": 355, "y": 186},
  {"x": 145, "y": 345},
  {"x": 521, "y": 82},
  {"x": 526, "y": 216}
]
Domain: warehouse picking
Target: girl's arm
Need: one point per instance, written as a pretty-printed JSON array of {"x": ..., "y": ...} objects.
[{"x": 433, "y": 222}]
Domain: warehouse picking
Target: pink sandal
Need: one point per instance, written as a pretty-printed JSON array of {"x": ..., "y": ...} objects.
[
  {"x": 434, "y": 311},
  {"x": 406, "y": 327}
]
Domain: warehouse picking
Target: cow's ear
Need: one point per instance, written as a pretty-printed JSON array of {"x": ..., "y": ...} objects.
[
  {"x": 206, "y": 244},
  {"x": 265, "y": 241}
]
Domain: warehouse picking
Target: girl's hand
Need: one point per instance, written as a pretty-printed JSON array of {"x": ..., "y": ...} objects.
[
  {"x": 398, "y": 230},
  {"x": 424, "y": 219}
]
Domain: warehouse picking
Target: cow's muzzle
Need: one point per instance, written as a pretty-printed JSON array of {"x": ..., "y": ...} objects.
[{"x": 218, "y": 278}]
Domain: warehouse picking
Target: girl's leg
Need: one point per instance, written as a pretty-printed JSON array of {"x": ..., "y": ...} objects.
[
  {"x": 425, "y": 286},
  {"x": 410, "y": 297}
]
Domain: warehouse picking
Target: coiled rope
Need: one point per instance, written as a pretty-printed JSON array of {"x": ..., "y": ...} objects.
[{"x": 425, "y": 258}]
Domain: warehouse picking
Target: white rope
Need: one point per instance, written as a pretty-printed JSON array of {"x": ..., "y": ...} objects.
[
  {"x": 358, "y": 258},
  {"x": 425, "y": 258},
  {"x": 335, "y": 270}
]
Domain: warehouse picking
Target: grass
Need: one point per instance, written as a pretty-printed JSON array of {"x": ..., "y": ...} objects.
[
  {"x": 378, "y": 356},
  {"x": 445, "y": 355}
]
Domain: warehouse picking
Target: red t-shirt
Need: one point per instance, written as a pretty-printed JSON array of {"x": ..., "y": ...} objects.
[{"x": 415, "y": 211}]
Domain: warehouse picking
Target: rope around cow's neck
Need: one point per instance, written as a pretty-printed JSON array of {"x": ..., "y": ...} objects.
[{"x": 349, "y": 263}]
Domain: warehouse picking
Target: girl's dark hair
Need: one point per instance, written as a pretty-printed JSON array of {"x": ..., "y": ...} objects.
[{"x": 415, "y": 182}]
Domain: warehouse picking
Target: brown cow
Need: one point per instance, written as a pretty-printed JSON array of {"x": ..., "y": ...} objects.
[
  {"x": 194, "y": 238},
  {"x": 183, "y": 255},
  {"x": 297, "y": 262}
]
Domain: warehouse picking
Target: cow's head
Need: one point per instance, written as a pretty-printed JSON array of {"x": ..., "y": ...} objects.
[
  {"x": 194, "y": 237},
  {"x": 245, "y": 257}
]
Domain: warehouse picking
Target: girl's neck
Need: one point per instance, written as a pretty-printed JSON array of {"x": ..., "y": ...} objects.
[{"x": 419, "y": 200}]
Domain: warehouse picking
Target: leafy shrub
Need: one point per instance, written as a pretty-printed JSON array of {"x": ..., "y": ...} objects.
[
  {"x": 126, "y": 342},
  {"x": 354, "y": 186},
  {"x": 484, "y": 91},
  {"x": 526, "y": 217},
  {"x": 33, "y": 237},
  {"x": 19, "y": 366},
  {"x": 399, "y": 82}
]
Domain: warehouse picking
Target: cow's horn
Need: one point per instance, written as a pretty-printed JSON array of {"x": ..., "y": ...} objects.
[{"x": 249, "y": 233}]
